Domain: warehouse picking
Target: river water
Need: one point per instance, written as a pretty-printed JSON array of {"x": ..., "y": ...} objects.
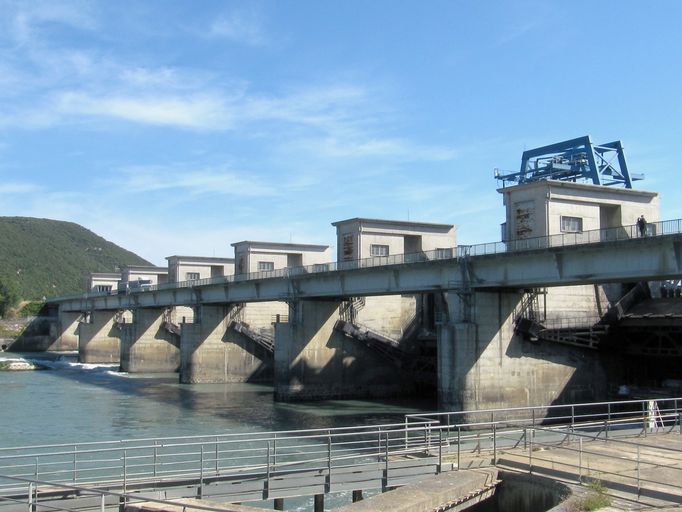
[{"x": 73, "y": 402}]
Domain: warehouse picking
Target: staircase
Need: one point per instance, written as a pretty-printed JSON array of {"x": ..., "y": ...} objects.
[{"x": 264, "y": 340}]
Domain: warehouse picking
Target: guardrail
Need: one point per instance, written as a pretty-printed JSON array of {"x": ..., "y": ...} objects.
[
  {"x": 267, "y": 465},
  {"x": 654, "y": 229},
  {"x": 240, "y": 467}
]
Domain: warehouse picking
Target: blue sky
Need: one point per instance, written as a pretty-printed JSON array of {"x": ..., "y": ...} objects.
[{"x": 181, "y": 127}]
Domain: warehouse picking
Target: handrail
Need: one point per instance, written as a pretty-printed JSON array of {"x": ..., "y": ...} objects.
[{"x": 615, "y": 234}]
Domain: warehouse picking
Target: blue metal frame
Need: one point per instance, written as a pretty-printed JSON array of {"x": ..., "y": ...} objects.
[{"x": 573, "y": 160}]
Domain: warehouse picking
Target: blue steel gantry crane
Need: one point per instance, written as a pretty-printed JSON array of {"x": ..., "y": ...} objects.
[{"x": 576, "y": 160}]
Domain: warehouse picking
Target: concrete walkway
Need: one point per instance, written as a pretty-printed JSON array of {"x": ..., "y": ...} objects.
[{"x": 638, "y": 473}]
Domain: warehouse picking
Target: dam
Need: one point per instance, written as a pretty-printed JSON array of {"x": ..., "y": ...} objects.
[{"x": 405, "y": 307}]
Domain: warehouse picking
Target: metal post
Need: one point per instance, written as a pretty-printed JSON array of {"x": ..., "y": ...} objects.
[
  {"x": 385, "y": 483},
  {"x": 30, "y": 497},
  {"x": 572, "y": 417},
  {"x": 459, "y": 445},
  {"x": 644, "y": 417},
  {"x": 406, "y": 427},
  {"x": 639, "y": 490},
  {"x": 125, "y": 470},
  {"x": 267, "y": 483},
  {"x": 101, "y": 502},
  {"x": 580, "y": 460},
  {"x": 494, "y": 444},
  {"x": 530, "y": 453},
  {"x": 533, "y": 416},
  {"x": 201, "y": 472},
  {"x": 329, "y": 463},
  {"x": 156, "y": 454},
  {"x": 274, "y": 451},
  {"x": 75, "y": 468},
  {"x": 440, "y": 450},
  {"x": 217, "y": 455},
  {"x": 608, "y": 419}
]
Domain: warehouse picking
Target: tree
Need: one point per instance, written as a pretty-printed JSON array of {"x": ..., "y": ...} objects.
[{"x": 8, "y": 297}]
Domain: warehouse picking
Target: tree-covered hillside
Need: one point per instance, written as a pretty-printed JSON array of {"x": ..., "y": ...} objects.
[{"x": 46, "y": 258}]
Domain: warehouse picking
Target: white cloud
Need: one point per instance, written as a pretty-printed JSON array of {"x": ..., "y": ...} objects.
[
  {"x": 18, "y": 188},
  {"x": 141, "y": 179},
  {"x": 197, "y": 112},
  {"x": 27, "y": 18},
  {"x": 241, "y": 27}
]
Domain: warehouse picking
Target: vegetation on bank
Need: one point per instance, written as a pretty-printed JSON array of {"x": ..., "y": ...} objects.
[{"x": 47, "y": 258}]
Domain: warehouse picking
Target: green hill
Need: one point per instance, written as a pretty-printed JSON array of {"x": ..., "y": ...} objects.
[{"x": 47, "y": 258}]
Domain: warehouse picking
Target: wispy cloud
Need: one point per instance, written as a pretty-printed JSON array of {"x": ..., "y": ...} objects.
[
  {"x": 140, "y": 179},
  {"x": 243, "y": 27},
  {"x": 201, "y": 111},
  {"x": 18, "y": 188},
  {"x": 25, "y": 19}
]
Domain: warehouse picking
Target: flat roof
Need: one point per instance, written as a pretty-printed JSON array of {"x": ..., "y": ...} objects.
[
  {"x": 207, "y": 259},
  {"x": 283, "y": 245},
  {"x": 579, "y": 186},
  {"x": 104, "y": 275},
  {"x": 392, "y": 222},
  {"x": 145, "y": 268}
]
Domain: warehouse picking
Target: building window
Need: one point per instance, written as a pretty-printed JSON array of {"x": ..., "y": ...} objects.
[
  {"x": 264, "y": 266},
  {"x": 571, "y": 224},
  {"x": 103, "y": 288},
  {"x": 378, "y": 250},
  {"x": 443, "y": 254},
  {"x": 192, "y": 276},
  {"x": 348, "y": 249}
]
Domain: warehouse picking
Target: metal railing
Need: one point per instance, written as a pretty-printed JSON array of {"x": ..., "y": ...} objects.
[
  {"x": 267, "y": 465},
  {"x": 654, "y": 229},
  {"x": 268, "y": 457}
]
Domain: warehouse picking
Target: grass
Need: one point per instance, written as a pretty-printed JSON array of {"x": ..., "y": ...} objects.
[{"x": 595, "y": 499}]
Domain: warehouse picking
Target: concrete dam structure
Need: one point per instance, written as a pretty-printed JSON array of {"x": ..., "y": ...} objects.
[{"x": 404, "y": 308}]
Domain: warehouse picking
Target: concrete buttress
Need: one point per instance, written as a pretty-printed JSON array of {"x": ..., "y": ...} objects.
[
  {"x": 64, "y": 332},
  {"x": 482, "y": 364},
  {"x": 314, "y": 361},
  {"x": 99, "y": 338},
  {"x": 211, "y": 351},
  {"x": 146, "y": 346}
]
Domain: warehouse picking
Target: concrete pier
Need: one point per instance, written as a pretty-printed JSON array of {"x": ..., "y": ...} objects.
[
  {"x": 482, "y": 364},
  {"x": 146, "y": 346},
  {"x": 211, "y": 351},
  {"x": 99, "y": 338},
  {"x": 64, "y": 332},
  {"x": 313, "y": 361}
]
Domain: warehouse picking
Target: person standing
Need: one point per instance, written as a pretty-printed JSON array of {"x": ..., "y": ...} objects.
[{"x": 641, "y": 226}]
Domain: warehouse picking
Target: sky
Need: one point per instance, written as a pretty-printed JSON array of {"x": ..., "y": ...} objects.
[{"x": 178, "y": 128}]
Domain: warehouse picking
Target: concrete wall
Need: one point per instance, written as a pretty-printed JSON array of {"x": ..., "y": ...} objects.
[
  {"x": 313, "y": 361},
  {"x": 146, "y": 347},
  {"x": 482, "y": 364},
  {"x": 99, "y": 338},
  {"x": 213, "y": 352},
  {"x": 389, "y": 315}
]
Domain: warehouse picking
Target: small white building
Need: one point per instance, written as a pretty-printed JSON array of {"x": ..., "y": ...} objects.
[
  {"x": 360, "y": 238},
  {"x": 102, "y": 281},
  {"x": 252, "y": 256},
  {"x": 552, "y": 207},
  {"x": 193, "y": 268}
]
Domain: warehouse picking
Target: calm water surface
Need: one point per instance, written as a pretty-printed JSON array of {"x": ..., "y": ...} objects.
[{"x": 74, "y": 402}]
